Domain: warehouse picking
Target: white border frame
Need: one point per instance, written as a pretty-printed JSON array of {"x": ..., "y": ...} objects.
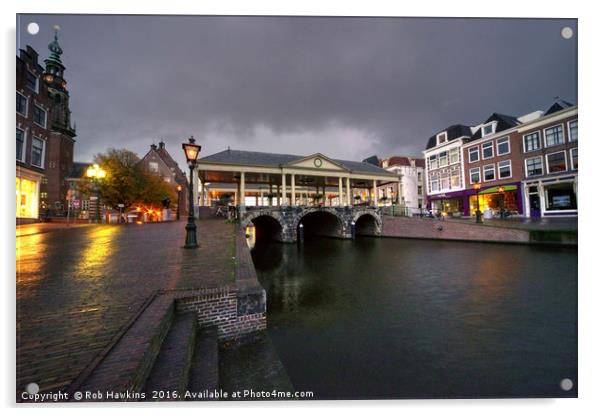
[
  {"x": 497, "y": 146},
  {"x": 494, "y": 175},
  {"x": 568, "y": 130},
  {"x": 45, "y": 115},
  {"x": 478, "y": 168},
  {"x": 540, "y": 143},
  {"x": 24, "y": 150},
  {"x": 41, "y": 166},
  {"x": 571, "y": 157},
  {"x": 478, "y": 154},
  {"x": 527, "y": 170},
  {"x": 499, "y": 176},
  {"x": 26, "y": 105},
  {"x": 492, "y": 150},
  {"x": 443, "y": 133}
]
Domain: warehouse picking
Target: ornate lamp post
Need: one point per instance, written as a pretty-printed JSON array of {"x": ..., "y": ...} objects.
[
  {"x": 191, "y": 150},
  {"x": 179, "y": 189},
  {"x": 479, "y": 218},
  {"x": 96, "y": 173}
]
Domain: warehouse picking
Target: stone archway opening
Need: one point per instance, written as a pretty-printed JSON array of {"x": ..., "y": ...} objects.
[
  {"x": 267, "y": 228},
  {"x": 366, "y": 224},
  {"x": 322, "y": 224}
]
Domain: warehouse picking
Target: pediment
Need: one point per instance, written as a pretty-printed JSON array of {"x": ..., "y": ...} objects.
[{"x": 317, "y": 161}]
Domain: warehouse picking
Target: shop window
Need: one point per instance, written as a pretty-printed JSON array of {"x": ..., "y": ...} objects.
[
  {"x": 21, "y": 104},
  {"x": 554, "y": 136},
  {"x": 531, "y": 142},
  {"x": 27, "y": 198},
  {"x": 475, "y": 175},
  {"x": 560, "y": 197},
  {"x": 504, "y": 169},
  {"x": 487, "y": 150},
  {"x": 574, "y": 159},
  {"x": 20, "y": 145},
  {"x": 503, "y": 146},
  {"x": 489, "y": 173},
  {"x": 534, "y": 166},
  {"x": 556, "y": 162},
  {"x": 573, "y": 133},
  {"x": 473, "y": 154}
]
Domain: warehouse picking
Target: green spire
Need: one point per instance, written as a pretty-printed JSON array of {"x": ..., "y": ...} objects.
[{"x": 55, "y": 49}]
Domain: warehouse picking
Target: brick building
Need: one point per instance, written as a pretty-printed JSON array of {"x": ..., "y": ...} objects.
[
  {"x": 32, "y": 135},
  {"x": 44, "y": 135},
  {"x": 159, "y": 161}
]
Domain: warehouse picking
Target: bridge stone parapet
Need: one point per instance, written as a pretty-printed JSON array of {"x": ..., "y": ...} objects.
[{"x": 361, "y": 220}]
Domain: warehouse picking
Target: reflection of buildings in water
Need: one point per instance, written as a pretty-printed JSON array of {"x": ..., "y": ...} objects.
[{"x": 95, "y": 255}]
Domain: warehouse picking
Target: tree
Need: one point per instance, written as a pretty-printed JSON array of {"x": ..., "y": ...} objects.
[{"x": 129, "y": 182}]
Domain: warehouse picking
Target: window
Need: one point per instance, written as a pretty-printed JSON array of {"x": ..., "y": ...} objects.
[
  {"x": 554, "y": 136},
  {"x": 20, "y": 144},
  {"x": 574, "y": 160},
  {"x": 21, "y": 104},
  {"x": 487, "y": 129},
  {"x": 419, "y": 189},
  {"x": 487, "y": 150},
  {"x": 434, "y": 182},
  {"x": 442, "y": 137},
  {"x": 31, "y": 81},
  {"x": 419, "y": 176},
  {"x": 503, "y": 146},
  {"x": 473, "y": 154},
  {"x": 443, "y": 160},
  {"x": 504, "y": 170},
  {"x": 39, "y": 116},
  {"x": 37, "y": 152},
  {"x": 572, "y": 130},
  {"x": 556, "y": 162},
  {"x": 455, "y": 177},
  {"x": 433, "y": 163},
  {"x": 153, "y": 166},
  {"x": 489, "y": 173},
  {"x": 475, "y": 175},
  {"x": 454, "y": 156},
  {"x": 531, "y": 141},
  {"x": 559, "y": 197},
  {"x": 534, "y": 166},
  {"x": 444, "y": 180}
]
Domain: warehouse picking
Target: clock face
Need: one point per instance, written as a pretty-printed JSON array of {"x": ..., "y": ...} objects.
[{"x": 317, "y": 162}]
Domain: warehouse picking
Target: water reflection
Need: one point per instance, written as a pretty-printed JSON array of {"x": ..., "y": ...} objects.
[
  {"x": 406, "y": 318},
  {"x": 96, "y": 253}
]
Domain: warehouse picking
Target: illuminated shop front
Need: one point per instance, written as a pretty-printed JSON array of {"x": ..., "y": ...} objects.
[
  {"x": 27, "y": 196},
  {"x": 552, "y": 197},
  {"x": 495, "y": 199},
  {"x": 450, "y": 206}
]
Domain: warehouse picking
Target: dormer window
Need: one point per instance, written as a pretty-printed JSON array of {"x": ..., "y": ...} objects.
[
  {"x": 488, "y": 129},
  {"x": 442, "y": 138}
]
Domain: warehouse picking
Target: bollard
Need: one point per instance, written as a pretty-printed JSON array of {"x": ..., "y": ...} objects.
[
  {"x": 300, "y": 236},
  {"x": 353, "y": 230}
]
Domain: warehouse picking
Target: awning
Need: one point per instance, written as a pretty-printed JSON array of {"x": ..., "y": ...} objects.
[{"x": 494, "y": 189}]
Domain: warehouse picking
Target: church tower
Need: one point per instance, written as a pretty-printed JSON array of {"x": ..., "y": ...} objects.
[{"x": 62, "y": 137}]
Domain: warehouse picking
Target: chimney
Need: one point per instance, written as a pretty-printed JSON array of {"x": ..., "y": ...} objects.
[
  {"x": 153, "y": 146},
  {"x": 161, "y": 144}
]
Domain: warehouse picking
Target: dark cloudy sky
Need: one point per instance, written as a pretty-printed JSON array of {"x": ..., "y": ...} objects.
[{"x": 346, "y": 87}]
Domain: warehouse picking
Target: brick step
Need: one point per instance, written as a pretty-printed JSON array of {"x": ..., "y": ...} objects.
[
  {"x": 204, "y": 372},
  {"x": 171, "y": 370}
]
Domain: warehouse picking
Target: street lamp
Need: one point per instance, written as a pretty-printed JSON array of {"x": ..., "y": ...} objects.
[
  {"x": 501, "y": 191},
  {"x": 179, "y": 189},
  {"x": 479, "y": 219},
  {"x": 191, "y": 150},
  {"x": 95, "y": 172}
]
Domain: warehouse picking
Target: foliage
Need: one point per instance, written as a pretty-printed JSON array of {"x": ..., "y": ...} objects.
[{"x": 129, "y": 182}]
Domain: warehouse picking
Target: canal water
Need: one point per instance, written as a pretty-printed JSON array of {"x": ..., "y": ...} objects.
[{"x": 398, "y": 318}]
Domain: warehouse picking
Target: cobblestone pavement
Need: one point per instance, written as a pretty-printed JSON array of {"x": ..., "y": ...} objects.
[{"x": 77, "y": 287}]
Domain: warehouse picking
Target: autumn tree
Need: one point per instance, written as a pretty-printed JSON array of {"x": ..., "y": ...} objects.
[{"x": 129, "y": 182}]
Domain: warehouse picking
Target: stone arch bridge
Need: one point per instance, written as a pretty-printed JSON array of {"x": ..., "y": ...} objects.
[{"x": 284, "y": 223}]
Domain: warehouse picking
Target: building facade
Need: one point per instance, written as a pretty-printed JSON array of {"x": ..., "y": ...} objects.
[
  {"x": 522, "y": 166},
  {"x": 44, "y": 135},
  {"x": 158, "y": 161},
  {"x": 411, "y": 173},
  {"x": 32, "y": 136}
]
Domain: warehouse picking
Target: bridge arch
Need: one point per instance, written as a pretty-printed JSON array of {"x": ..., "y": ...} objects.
[
  {"x": 367, "y": 223},
  {"x": 269, "y": 225},
  {"x": 322, "y": 221}
]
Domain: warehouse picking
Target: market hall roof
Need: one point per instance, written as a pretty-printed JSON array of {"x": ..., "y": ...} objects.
[{"x": 277, "y": 160}]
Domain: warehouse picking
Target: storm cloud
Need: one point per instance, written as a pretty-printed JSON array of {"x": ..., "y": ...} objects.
[{"x": 346, "y": 87}]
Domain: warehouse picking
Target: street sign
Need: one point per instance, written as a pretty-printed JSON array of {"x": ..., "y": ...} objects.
[{"x": 120, "y": 205}]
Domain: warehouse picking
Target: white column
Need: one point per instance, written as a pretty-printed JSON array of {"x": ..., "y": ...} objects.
[
  {"x": 340, "y": 191},
  {"x": 283, "y": 189},
  {"x": 261, "y": 193},
  {"x": 292, "y": 189},
  {"x": 375, "y": 192},
  {"x": 242, "y": 189},
  {"x": 348, "y": 191},
  {"x": 399, "y": 189}
]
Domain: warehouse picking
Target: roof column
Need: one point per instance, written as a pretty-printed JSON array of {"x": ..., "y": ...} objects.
[
  {"x": 340, "y": 191},
  {"x": 242, "y": 189},
  {"x": 293, "y": 189},
  {"x": 283, "y": 189},
  {"x": 399, "y": 196},
  {"x": 375, "y": 192},
  {"x": 348, "y": 191}
]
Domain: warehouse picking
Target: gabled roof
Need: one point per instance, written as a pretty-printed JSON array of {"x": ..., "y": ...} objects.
[
  {"x": 244, "y": 157},
  {"x": 504, "y": 122},
  {"x": 558, "y": 106},
  {"x": 453, "y": 132},
  {"x": 373, "y": 160}
]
